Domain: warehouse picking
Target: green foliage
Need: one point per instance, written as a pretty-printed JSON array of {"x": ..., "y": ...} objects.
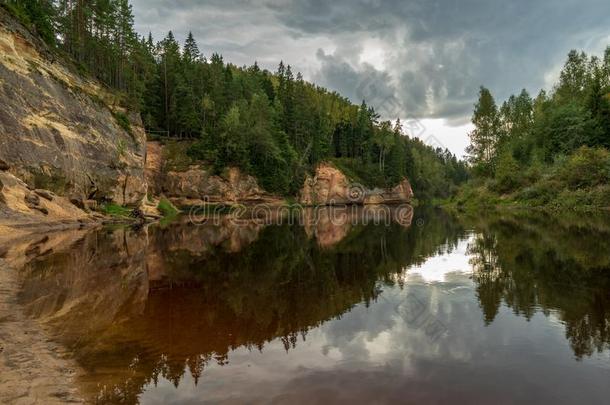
[
  {"x": 115, "y": 210},
  {"x": 38, "y": 15},
  {"x": 587, "y": 167},
  {"x": 123, "y": 121},
  {"x": 508, "y": 174},
  {"x": 484, "y": 139},
  {"x": 564, "y": 128},
  {"x": 166, "y": 208},
  {"x": 368, "y": 175},
  {"x": 273, "y": 125},
  {"x": 551, "y": 151}
]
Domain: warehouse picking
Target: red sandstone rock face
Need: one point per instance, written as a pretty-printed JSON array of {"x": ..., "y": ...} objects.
[
  {"x": 330, "y": 186},
  {"x": 197, "y": 184}
]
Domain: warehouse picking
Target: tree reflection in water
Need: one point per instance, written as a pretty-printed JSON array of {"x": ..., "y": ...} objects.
[
  {"x": 535, "y": 262},
  {"x": 137, "y": 306}
]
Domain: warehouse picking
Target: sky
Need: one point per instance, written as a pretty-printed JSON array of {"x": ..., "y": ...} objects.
[{"x": 422, "y": 61}]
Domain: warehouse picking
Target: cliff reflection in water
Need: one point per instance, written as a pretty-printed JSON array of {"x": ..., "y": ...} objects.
[{"x": 138, "y": 305}]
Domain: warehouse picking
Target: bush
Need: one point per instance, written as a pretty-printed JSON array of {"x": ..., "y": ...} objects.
[
  {"x": 587, "y": 167},
  {"x": 534, "y": 172},
  {"x": 472, "y": 197},
  {"x": 167, "y": 208},
  {"x": 540, "y": 193},
  {"x": 177, "y": 155},
  {"x": 601, "y": 196},
  {"x": 573, "y": 199},
  {"x": 115, "y": 210},
  {"x": 508, "y": 174}
]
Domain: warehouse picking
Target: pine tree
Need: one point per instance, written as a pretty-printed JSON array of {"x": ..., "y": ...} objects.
[{"x": 191, "y": 50}]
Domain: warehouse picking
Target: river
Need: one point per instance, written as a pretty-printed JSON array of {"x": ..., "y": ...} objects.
[{"x": 432, "y": 307}]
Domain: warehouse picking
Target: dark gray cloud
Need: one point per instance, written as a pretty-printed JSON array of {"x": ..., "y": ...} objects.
[{"x": 418, "y": 58}]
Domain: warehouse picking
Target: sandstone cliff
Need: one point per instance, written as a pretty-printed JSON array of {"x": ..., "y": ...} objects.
[
  {"x": 62, "y": 132},
  {"x": 329, "y": 186},
  {"x": 22, "y": 209},
  {"x": 195, "y": 183},
  {"x": 65, "y": 139}
]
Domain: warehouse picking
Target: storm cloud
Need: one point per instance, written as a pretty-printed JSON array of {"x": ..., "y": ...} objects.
[{"x": 411, "y": 59}]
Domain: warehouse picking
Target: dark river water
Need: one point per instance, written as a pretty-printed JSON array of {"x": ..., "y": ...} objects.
[{"x": 433, "y": 308}]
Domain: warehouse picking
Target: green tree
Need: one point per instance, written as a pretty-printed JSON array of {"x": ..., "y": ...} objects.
[
  {"x": 486, "y": 136},
  {"x": 39, "y": 15}
]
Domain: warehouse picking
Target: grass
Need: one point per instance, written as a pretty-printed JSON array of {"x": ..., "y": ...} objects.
[
  {"x": 166, "y": 208},
  {"x": 115, "y": 210},
  {"x": 123, "y": 121}
]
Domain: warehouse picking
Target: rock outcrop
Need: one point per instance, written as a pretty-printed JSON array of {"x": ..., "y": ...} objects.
[
  {"x": 197, "y": 183},
  {"x": 329, "y": 186},
  {"x": 22, "y": 208},
  {"x": 62, "y": 132}
]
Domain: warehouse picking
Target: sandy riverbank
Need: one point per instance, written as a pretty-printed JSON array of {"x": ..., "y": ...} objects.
[{"x": 33, "y": 369}]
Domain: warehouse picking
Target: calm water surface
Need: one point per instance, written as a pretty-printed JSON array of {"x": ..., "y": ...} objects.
[{"x": 465, "y": 309}]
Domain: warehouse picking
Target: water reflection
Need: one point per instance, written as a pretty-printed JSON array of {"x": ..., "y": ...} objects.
[
  {"x": 182, "y": 312},
  {"x": 533, "y": 262}
]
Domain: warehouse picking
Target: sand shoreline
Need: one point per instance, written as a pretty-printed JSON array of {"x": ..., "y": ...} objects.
[{"x": 33, "y": 368}]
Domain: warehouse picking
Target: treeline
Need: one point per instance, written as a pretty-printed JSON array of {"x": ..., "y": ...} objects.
[
  {"x": 273, "y": 125},
  {"x": 97, "y": 35},
  {"x": 551, "y": 149}
]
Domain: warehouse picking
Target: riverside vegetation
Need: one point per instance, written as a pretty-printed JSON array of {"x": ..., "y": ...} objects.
[
  {"x": 338, "y": 306},
  {"x": 550, "y": 151},
  {"x": 547, "y": 151}
]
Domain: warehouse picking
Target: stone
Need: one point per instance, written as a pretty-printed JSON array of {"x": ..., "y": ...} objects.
[
  {"x": 41, "y": 209},
  {"x": 78, "y": 202},
  {"x": 90, "y": 205},
  {"x": 197, "y": 183},
  {"x": 329, "y": 186},
  {"x": 32, "y": 199},
  {"x": 46, "y": 194},
  {"x": 59, "y": 115}
]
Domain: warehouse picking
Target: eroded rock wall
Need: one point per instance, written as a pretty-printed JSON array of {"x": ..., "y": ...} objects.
[
  {"x": 329, "y": 186},
  {"x": 197, "y": 183},
  {"x": 59, "y": 131}
]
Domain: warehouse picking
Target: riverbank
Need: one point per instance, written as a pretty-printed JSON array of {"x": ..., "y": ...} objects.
[
  {"x": 34, "y": 369},
  {"x": 476, "y": 196}
]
